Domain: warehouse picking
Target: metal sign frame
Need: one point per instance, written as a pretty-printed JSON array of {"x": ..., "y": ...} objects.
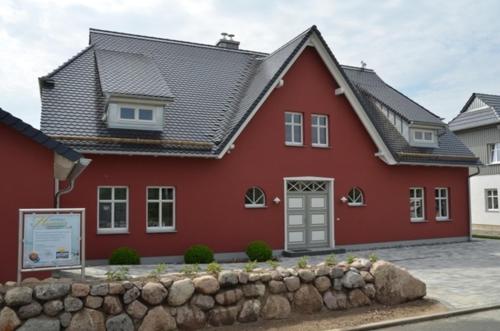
[{"x": 20, "y": 252}]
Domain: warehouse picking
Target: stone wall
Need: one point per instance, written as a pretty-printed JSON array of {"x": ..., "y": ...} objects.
[{"x": 176, "y": 301}]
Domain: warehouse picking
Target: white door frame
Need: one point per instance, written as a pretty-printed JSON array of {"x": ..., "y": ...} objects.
[{"x": 330, "y": 182}]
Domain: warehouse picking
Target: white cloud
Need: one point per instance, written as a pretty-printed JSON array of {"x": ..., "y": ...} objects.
[{"x": 437, "y": 53}]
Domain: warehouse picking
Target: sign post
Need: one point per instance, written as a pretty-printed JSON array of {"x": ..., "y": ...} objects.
[{"x": 51, "y": 239}]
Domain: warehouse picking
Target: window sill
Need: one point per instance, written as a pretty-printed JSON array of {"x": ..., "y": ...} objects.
[
  {"x": 105, "y": 232},
  {"x": 321, "y": 146},
  {"x": 356, "y": 205},
  {"x": 443, "y": 219},
  {"x": 151, "y": 230},
  {"x": 294, "y": 145},
  {"x": 419, "y": 221},
  {"x": 255, "y": 207},
  {"x": 493, "y": 210}
]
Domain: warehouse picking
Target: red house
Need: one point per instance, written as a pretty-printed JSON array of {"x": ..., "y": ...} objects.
[{"x": 194, "y": 143}]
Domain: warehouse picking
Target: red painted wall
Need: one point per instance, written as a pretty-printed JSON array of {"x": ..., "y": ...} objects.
[
  {"x": 26, "y": 181},
  {"x": 209, "y": 193}
]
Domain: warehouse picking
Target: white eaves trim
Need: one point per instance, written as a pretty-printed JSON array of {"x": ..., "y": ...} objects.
[{"x": 314, "y": 41}]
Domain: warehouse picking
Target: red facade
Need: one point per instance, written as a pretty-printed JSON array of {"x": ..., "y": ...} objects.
[{"x": 210, "y": 193}]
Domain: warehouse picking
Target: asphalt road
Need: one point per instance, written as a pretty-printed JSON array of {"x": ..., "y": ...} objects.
[{"x": 483, "y": 321}]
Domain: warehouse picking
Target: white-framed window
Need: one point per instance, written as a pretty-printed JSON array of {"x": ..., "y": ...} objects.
[
  {"x": 135, "y": 116},
  {"x": 355, "y": 197},
  {"x": 255, "y": 198},
  {"x": 492, "y": 199},
  {"x": 112, "y": 210},
  {"x": 319, "y": 132},
  {"x": 442, "y": 203},
  {"x": 494, "y": 152},
  {"x": 423, "y": 136},
  {"x": 417, "y": 204},
  {"x": 293, "y": 129},
  {"x": 160, "y": 208},
  {"x": 136, "y": 113}
]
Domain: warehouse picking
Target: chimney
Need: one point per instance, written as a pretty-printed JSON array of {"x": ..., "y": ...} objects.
[{"x": 227, "y": 41}]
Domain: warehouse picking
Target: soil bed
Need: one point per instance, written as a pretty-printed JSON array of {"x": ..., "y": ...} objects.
[{"x": 342, "y": 319}]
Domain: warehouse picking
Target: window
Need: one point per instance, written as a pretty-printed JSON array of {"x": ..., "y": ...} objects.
[
  {"x": 255, "y": 198},
  {"x": 319, "y": 130},
  {"x": 132, "y": 113},
  {"x": 293, "y": 129},
  {"x": 423, "y": 136},
  {"x": 492, "y": 199},
  {"x": 112, "y": 210},
  {"x": 494, "y": 153},
  {"x": 417, "y": 204},
  {"x": 355, "y": 197},
  {"x": 442, "y": 204},
  {"x": 135, "y": 117},
  {"x": 160, "y": 209}
]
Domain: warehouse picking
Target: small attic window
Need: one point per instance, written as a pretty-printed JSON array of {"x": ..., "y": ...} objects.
[
  {"x": 423, "y": 137},
  {"x": 135, "y": 117}
]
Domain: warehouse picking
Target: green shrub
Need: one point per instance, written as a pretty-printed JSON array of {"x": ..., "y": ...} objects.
[
  {"x": 190, "y": 269},
  {"x": 120, "y": 273},
  {"x": 302, "y": 262},
  {"x": 158, "y": 270},
  {"x": 273, "y": 264},
  {"x": 124, "y": 256},
  {"x": 330, "y": 260},
  {"x": 259, "y": 251},
  {"x": 198, "y": 254},
  {"x": 351, "y": 258},
  {"x": 373, "y": 257},
  {"x": 214, "y": 268},
  {"x": 250, "y": 266}
]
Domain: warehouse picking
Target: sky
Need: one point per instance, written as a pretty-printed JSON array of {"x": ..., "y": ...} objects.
[{"x": 436, "y": 52}]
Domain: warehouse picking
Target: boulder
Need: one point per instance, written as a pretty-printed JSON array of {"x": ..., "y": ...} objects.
[
  {"x": 395, "y": 285},
  {"x": 18, "y": 296},
  {"x": 116, "y": 288},
  {"x": 254, "y": 290},
  {"x": 99, "y": 289},
  {"x": 306, "y": 275},
  {"x": 41, "y": 323},
  {"x": 322, "y": 270},
  {"x": 80, "y": 290},
  {"x": 276, "y": 307},
  {"x": 30, "y": 310},
  {"x": 93, "y": 302},
  {"x": 154, "y": 293},
  {"x": 337, "y": 272},
  {"x": 337, "y": 284},
  {"x": 370, "y": 291},
  {"x": 190, "y": 318},
  {"x": 131, "y": 294},
  {"x": 322, "y": 283},
  {"x": 335, "y": 300},
  {"x": 136, "y": 309},
  {"x": 229, "y": 297},
  {"x": 65, "y": 319},
  {"x": 357, "y": 298},
  {"x": 167, "y": 281},
  {"x": 367, "y": 276},
  {"x": 276, "y": 275},
  {"x": 158, "y": 319},
  {"x": 72, "y": 304},
  {"x": 265, "y": 277},
  {"x": 253, "y": 277},
  {"x": 203, "y": 301},
  {"x": 30, "y": 281},
  {"x": 361, "y": 264},
  {"x": 307, "y": 299},
  {"x": 223, "y": 315},
  {"x": 180, "y": 292},
  {"x": 206, "y": 284},
  {"x": 87, "y": 319},
  {"x": 112, "y": 305},
  {"x": 8, "y": 319},
  {"x": 292, "y": 283},
  {"x": 243, "y": 277},
  {"x": 53, "y": 307},
  {"x": 352, "y": 279},
  {"x": 228, "y": 278},
  {"x": 277, "y": 287},
  {"x": 120, "y": 322},
  {"x": 250, "y": 311},
  {"x": 51, "y": 291}
]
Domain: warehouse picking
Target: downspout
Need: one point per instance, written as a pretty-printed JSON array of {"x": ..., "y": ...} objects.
[
  {"x": 79, "y": 166},
  {"x": 468, "y": 194}
]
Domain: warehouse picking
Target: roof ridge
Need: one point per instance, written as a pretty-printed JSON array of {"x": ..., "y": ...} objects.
[
  {"x": 349, "y": 67},
  {"x": 173, "y": 41},
  {"x": 291, "y": 41},
  {"x": 70, "y": 60}
]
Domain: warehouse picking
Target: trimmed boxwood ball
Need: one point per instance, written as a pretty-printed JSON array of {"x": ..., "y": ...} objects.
[
  {"x": 259, "y": 251},
  {"x": 124, "y": 256},
  {"x": 198, "y": 254}
]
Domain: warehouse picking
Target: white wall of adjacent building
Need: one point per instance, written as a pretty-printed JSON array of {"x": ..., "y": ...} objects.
[{"x": 478, "y": 187}]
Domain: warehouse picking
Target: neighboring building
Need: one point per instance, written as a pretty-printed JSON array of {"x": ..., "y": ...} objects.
[
  {"x": 478, "y": 126},
  {"x": 194, "y": 143},
  {"x": 30, "y": 162}
]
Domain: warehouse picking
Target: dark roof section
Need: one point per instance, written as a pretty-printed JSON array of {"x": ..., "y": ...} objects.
[
  {"x": 477, "y": 118},
  {"x": 38, "y": 136},
  {"x": 130, "y": 74}
]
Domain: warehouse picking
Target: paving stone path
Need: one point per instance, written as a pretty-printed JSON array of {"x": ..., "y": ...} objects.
[{"x": 460, "y": 275}]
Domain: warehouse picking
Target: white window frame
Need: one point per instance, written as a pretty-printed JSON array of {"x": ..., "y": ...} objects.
[
  {"x": 438, "y": 197},
  {"x": 112, "y": 229},
  {"x": 492, "y": 194},
  {"x": 115, "y": 121},
  {"x": 423, "y": 140},
  {"x": 494, "y": 153},
  {"x": 160, "y": 228},
  {"x": 293, "y": 124},
  {"x": 317, "y": 128},
  {"x": 412, "y": 199},
  {"x": 254, "y": 203},
  {"x": 356, "y": 203}
]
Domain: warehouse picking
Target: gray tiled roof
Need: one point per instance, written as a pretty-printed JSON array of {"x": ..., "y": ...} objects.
[
  {"x": 477, "y": 118},
  {"x": 214, "y": 91},
  {"x": 38, "y": 136}
]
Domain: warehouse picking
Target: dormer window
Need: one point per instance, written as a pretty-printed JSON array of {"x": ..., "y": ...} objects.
[
  {"x": 135, "y": 117},
  {"x": 423, "y": 137}
]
